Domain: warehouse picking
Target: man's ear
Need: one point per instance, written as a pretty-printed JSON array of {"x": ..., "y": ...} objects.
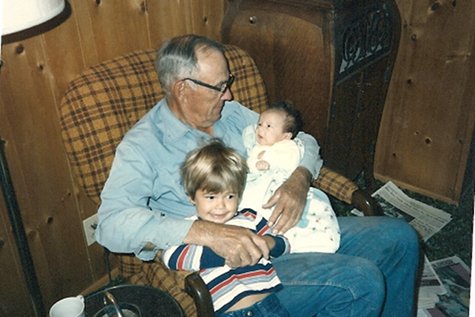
[{"x": 178, "y": 88}]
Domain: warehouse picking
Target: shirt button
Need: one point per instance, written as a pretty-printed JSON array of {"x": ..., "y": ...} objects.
[{"x": 249, "y": 314}]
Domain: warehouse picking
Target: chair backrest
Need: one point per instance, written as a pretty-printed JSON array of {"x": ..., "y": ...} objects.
[{"x": 106, "y": 100}]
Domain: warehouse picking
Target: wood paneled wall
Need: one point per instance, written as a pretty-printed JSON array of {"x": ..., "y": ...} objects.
[
  {"x": 423, "y": 138},
  {"x": 33, "y": 77},
  {"x": 427, "y": 126}
]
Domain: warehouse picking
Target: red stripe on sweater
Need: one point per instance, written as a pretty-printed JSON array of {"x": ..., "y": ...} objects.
[
  {"x": 181, "y": 259},
  {"x": 241, "y": 276}
]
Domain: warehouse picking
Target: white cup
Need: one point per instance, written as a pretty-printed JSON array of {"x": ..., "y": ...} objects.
[{"x": 68, "y": 307}]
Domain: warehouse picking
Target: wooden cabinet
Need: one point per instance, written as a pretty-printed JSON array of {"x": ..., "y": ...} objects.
[{"x": 333, "y": 59}]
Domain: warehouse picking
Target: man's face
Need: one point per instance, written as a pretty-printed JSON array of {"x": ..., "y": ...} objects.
[
  {"x": 202, "y": 105},
  {"x": 270, "y": 128}
]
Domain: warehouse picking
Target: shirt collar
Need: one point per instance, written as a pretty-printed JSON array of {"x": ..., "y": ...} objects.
[{"x": 176, "y": 128}]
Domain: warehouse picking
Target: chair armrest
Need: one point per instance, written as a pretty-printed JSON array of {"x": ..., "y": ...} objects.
[
  {"x": 196, "y": 288},
  {"x": 346, "y": 190},
  {"x": 335, "y": 185}
]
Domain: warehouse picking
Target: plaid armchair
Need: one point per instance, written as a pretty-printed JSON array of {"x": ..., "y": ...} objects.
[{"x": 103, "y": 102}]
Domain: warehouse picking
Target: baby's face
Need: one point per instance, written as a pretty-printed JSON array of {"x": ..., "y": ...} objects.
[
  {"x": 270, "y": 128},
  {"x": 216, "y": 207}
]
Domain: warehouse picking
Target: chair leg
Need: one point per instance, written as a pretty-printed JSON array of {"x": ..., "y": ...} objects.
[{"x": 107, "y": 263}]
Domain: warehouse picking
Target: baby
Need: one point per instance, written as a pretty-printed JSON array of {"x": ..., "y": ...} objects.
[{"x": 273, "y": 154}]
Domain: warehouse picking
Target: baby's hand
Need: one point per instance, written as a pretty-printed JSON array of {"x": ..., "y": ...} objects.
[{"x": 262, "y": 165}]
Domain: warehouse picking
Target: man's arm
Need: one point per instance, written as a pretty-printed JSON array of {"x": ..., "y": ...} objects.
[
  {"x": 126, "y": 222},
  {"x": 188, "y": 257},
  {"x": 238, "y": 246},
  {"x": 311, "y": 158},
  {"x": 289, "y": 200}
]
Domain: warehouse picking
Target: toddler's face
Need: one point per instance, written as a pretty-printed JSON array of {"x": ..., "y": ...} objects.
[
  {"x": 216, "y": 207},
  {"x": 270, "y": 128}
]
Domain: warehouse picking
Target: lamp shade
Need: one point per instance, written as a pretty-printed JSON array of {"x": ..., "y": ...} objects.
[{"x": 22, "y": 14}]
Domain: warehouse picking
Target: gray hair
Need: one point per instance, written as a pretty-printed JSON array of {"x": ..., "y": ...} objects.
[{"x": 177, "y": 59}]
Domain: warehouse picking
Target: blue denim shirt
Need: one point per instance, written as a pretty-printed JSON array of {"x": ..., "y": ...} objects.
[{"x": 143, "y": 199}]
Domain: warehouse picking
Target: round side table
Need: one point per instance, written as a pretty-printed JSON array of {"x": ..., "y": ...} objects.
[{"x": 151, "y": 302}]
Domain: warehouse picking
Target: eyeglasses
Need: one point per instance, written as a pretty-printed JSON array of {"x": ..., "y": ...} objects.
[{"x": 221, "y": 88}]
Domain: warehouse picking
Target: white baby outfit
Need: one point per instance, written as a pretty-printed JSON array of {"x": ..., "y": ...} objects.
[{"x": 318, "y": 229}]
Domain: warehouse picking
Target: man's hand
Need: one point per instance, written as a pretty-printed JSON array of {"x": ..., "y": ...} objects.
[
  {"x": 238, "y": 246},
  {"x": 289, "y": 201}
]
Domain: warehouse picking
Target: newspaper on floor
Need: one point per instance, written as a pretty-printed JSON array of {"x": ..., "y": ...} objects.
[
  {"x": 455, "y": 275},
  {"x": 430, "y": 287},
  {"x": 427, "y": 220}
]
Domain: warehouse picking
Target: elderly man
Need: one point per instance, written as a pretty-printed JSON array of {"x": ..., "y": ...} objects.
[{"x": 144, "y": 207}]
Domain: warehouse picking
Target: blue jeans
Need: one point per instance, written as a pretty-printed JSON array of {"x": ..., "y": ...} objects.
[
  {"x": 372, "y": 274},
  {"x": 268, "y": 307}
]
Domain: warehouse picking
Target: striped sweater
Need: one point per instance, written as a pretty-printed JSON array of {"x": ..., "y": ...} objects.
[{"x": 229, "y": 285}]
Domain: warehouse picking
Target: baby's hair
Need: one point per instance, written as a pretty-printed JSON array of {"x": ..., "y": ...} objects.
[
  {"x": 293, "y": 118},
  {"x": 214, "y": 168}
]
